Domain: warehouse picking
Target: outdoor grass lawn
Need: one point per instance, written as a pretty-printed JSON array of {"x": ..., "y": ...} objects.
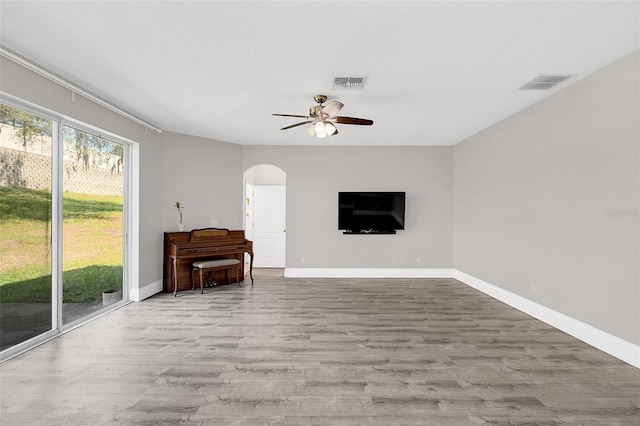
[{"x": 92, "y": 254}]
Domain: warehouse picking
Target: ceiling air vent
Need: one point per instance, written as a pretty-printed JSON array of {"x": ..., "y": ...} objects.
[
  {"x": 348, "y": 83},
  {"x": 544, "y": 82}
]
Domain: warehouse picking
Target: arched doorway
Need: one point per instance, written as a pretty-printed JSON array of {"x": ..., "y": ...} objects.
[{"x": 265, "y": 214}]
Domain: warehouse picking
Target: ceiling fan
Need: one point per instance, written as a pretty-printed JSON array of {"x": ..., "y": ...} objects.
[{"x": 322, "y": 118}]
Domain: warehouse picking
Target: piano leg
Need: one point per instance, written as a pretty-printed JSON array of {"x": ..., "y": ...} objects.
[
  {"x": 251, "y": 267},
  {"x": 175, "y": 277}
]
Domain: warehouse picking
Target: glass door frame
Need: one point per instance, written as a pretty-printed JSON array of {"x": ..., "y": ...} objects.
[{"x": 130, "y": 222}]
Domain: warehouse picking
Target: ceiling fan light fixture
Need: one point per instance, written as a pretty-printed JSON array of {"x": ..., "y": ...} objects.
[
  {"x": 311, "y": 129},
  {"x": 320, "y": 130},
  {"x": 322, "y": 118},
  {"x": 329, "y": 128}
]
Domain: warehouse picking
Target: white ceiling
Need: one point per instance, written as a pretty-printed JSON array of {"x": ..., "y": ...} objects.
[{"x": 437, "y": 72}]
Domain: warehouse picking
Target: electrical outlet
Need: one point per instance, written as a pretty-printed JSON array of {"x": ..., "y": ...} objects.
[
  {"x": 301, "y": 259},
  {"x": 394, "y": 260},
  {"x": 534, "y": 289},
  {"x": 418, "y": 260}
]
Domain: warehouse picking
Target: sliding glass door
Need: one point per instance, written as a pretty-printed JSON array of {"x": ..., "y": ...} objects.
[
  {"x": 62, "y": 245},
  {"x": 26, "y": 148},
  {"x": 92, "y": 227}
]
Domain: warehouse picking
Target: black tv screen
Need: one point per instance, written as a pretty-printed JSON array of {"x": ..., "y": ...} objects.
[{"x": 371, "y": 212}]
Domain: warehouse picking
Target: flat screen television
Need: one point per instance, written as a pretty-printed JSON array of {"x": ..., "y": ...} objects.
[{"x": 371, "y": 212}]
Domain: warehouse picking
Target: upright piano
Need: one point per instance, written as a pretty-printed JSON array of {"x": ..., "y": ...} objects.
[{"x": 181, "y": 249}]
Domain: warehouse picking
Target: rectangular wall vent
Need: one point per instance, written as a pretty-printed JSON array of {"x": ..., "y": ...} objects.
[
  {"x": 544, "y": 82},
  {"x": 348, "y": 82}
]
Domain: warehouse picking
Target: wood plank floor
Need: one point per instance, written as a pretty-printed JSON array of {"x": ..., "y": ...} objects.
[{"x": 319, "y": 351}]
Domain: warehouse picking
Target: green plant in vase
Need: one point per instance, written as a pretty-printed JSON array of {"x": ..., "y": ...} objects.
[{"x": 180, "y": 207}]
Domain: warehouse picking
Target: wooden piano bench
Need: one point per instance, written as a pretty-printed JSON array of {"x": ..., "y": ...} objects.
[{"x": 212, "y": 265}]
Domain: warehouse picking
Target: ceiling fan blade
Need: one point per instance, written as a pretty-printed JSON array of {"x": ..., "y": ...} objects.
[
  {"x": 352, "y": 120},
  {"x": 332, "y": 108},
  {"x": 297, "y": 124},
  {"x": 290, "y": 115}
]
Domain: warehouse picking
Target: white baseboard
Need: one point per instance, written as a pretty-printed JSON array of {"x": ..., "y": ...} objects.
[
  {"x": 614, "y": 346},
  {"x": 138, "y": 294},
  {"x": 367, "y": 273}
]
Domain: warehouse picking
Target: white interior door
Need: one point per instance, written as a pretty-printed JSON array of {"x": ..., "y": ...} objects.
[{"x": 269, "y": 215}]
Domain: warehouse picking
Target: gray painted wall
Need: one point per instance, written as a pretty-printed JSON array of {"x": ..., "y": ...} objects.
[
  {"x": 316, "y": 174},
  {"x": 206, "y": 177},
  {"x": 550, "y": 197}
]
